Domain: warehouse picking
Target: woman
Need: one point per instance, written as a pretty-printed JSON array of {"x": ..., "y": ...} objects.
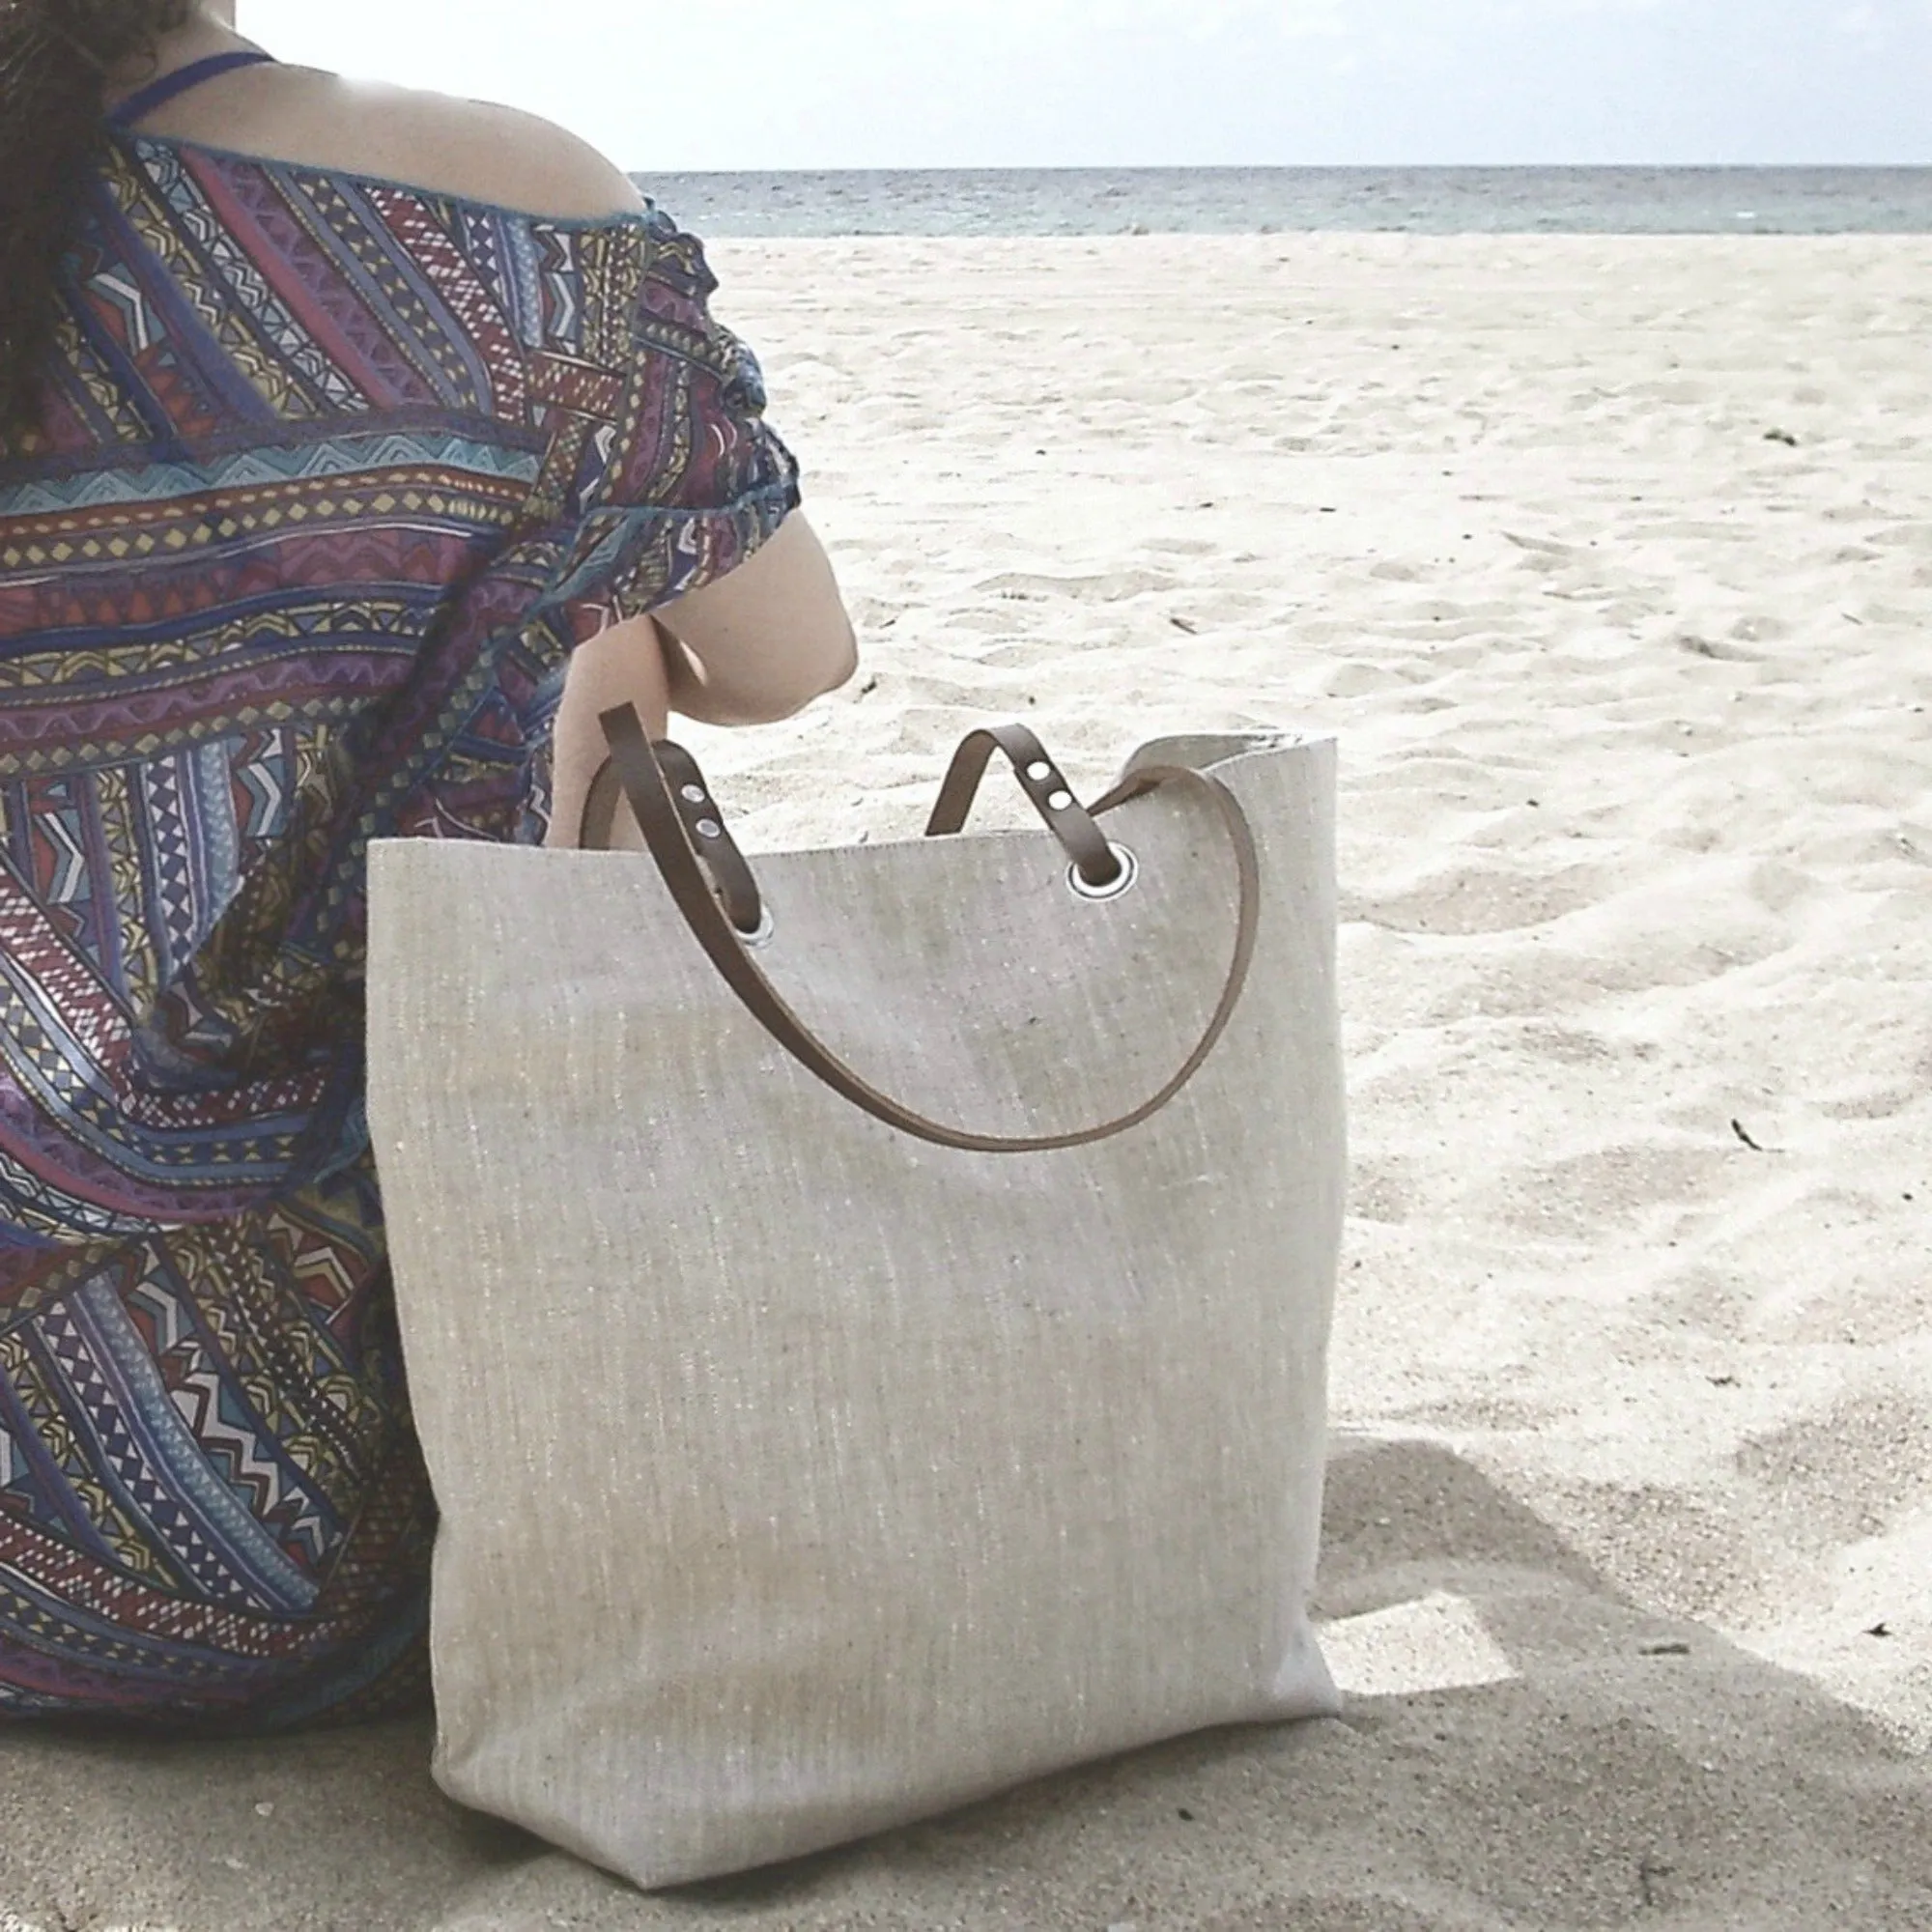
[{"x": 333, "y": 422}]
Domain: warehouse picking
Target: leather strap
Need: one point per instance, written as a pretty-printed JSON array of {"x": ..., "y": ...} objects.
[
  {"x": 1066, "y": 818},
  {"x": 641, "y": 769},
  {"x": 703, "y": 823},
  {"x": 704, "y": 826},
  {"x": 598, "y": 826}
]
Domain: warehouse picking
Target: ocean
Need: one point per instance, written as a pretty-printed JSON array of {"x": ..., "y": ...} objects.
[{"x": 1246, "y": 201}]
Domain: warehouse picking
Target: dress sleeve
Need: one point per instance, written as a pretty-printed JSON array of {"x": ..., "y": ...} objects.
[{"x": 688, "y": 480}]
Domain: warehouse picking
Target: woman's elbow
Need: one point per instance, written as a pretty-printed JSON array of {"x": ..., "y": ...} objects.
[
  {"x": 845, "y": 663},
  {"x": 780, "y": 690},
  {"x": 832, "y": 670}
]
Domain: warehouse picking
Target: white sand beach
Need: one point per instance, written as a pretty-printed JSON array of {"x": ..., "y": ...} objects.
[{"x": 1609, "y": 563}]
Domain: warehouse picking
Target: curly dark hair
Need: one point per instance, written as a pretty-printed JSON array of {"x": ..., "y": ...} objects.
[{"x": 55, "y": 57}]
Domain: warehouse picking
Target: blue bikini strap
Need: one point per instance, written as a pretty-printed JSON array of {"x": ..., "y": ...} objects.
[{"x": 170, "y": 86}]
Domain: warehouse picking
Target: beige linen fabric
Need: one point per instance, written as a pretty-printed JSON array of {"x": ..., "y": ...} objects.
[{"x": 800, "y": 1478}]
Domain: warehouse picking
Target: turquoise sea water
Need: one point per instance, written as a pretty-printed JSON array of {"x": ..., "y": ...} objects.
[{"x": 1209, "y": 201}]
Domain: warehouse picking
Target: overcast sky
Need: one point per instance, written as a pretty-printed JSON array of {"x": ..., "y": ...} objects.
[{"x": 1115, "y": 83}]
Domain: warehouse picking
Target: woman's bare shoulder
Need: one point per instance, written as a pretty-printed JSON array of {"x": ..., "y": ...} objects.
[
  {"x": 473, "y": 149},
  {"x": 490, "y": 153}
]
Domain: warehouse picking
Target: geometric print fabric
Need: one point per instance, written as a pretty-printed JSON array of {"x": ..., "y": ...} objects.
[{"x": 332, "y": 475}]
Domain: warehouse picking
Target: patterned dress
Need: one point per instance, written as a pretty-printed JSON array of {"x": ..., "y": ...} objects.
[{"x": 334, "y": 474}]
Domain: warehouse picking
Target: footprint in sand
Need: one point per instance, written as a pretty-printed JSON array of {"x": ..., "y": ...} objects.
[
  {"x": 1111, "y": 587},
  {"x": 1613, "y": 1186},
  {"x": 1363, "y": 679},
  {"x": 1845, "y": 1475},
  {"x": 1463, "y": 905},
  {"x": 1673, "y": 1551},
  {"x": 1381, "y": 1190}
]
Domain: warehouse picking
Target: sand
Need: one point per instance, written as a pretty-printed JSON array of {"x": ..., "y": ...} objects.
[{"x": 1629, "y": 1532}]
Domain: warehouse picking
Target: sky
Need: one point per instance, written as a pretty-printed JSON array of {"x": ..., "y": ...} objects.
[{"x": 773, "y": 84}]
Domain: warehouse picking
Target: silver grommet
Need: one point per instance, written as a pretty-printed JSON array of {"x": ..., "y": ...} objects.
[
  {"x": 694, "y": 795},
  {"x": 1039, "y": 773},
  {"x": 1130, "y": 872},
  {"x": 709, "y": 828},
  {"x": 1061, "y": 801}
]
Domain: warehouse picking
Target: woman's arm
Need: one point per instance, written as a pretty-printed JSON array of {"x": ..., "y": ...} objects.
[
  {"x": 756, "y": 647},
  {"x": 761, "y": 644}
]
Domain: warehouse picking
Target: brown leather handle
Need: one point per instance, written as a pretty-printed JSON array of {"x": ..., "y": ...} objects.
[
  {"x": 703, "y": 822},
  {"x": 1066, "y": 818},
  {"x": 598, "y": 826},
  {"x": 641, "y": 769}
]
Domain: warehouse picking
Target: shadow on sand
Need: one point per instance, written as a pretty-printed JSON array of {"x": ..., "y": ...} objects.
[{"x": 1629, "y": 1771}]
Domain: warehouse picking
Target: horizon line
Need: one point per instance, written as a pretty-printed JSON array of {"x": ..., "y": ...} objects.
[{"x": 1310, "y": 168}]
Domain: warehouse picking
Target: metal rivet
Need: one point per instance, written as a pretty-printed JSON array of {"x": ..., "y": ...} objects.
[
  {"x": 709, "y": 828},
  {"x": 1039, "y": 773},
  {"x": 1062, "y": 801},
  {"x": 694, "y": 794},
  {"x": 1129, "y": 878}
]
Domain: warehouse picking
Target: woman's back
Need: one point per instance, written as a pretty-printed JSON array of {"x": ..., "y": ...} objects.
[
  {"x": 326, "y": 477},
  {"x": 331, "y": 476}
]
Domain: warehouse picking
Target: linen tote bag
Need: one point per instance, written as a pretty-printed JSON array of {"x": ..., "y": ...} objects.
[{"x": 866, "y": 1309}]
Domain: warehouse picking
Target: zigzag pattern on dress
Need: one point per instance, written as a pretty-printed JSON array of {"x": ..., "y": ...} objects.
[
  {"x": 332, "y": 475},
  {"x": 267, "y": 468}
]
